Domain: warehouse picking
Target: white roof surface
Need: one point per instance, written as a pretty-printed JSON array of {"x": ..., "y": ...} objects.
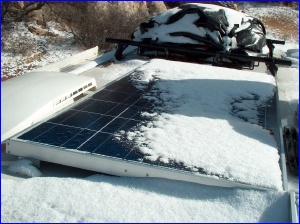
[{"x": 27, "y": 99}]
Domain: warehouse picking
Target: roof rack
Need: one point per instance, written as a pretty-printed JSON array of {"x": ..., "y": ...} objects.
[{"x": 192, "y": 52}]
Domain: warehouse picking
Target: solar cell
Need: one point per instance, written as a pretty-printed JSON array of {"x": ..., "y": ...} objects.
[
  {"x": 33, "y": 133},
  {"x": 112, "y": 148},
  {"x": 78, "y": 139},
  {"x": 115, "y": 96},
  {"x": 63, "y": 116},
  {"x": 100, "y": 107},
  {"x": 100, "y": 94},
  {"x": 132, "y": 99},
  {"x": 100, "y": 123},
  {"x": 116, "y": 85},
  {"x": 130, "y": 112},
  {"x": 81, "y": 119},
  {"x": 57, "y": 135},
  {"x": 114, "y": 125},
  {"x": 93, "y": 143},
  {"x": 119, "y": 109},
  {"x": 127, "y": 88}
]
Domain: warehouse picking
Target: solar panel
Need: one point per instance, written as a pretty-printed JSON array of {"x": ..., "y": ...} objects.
[{"x": 91, "y": 127}]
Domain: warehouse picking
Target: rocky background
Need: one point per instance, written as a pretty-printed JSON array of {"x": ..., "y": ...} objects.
[{"x": 88, "y": 22}]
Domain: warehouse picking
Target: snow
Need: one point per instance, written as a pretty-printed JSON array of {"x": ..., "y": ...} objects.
[
  {"x": 290, "y": 85},
  {"x": 24, "y": 167},
  {"x": 116, "y": 199}
]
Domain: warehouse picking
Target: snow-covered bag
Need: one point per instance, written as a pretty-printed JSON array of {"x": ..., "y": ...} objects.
[{"x": 204, "y": 26}]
